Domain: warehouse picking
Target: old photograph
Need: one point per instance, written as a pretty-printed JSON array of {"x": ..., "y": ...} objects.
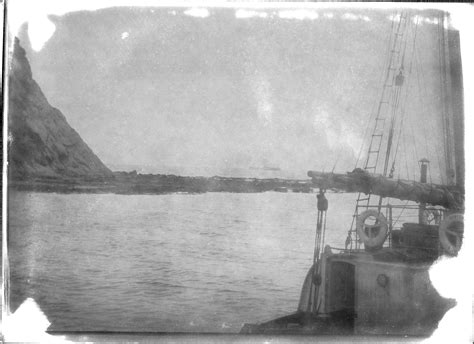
[{"x": 241, "y": 169}]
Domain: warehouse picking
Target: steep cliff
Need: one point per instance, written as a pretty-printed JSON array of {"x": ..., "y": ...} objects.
[{"x": 42, "y": 144}]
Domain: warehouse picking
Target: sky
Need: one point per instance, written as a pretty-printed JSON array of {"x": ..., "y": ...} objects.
[{"x": 229, "y": 91}]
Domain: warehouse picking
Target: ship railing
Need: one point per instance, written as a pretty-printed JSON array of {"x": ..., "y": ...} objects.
[{"x": 396, "y": 215}]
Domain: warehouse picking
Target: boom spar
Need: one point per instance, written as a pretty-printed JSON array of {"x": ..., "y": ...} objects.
[{"x": 450, "y": 197}]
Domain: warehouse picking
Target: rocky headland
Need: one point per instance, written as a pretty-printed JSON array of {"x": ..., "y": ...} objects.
[
  {"x": 46, "y": 154},
  {"x": 42, "y": 144}
]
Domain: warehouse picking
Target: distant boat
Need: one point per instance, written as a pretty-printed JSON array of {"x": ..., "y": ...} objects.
[
  {"x": 266, "y": 168},
  {"x": 378, "y": 281}
]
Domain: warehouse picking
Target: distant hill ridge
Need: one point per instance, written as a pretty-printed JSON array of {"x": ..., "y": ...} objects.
[{"x": 43, "y": 144}]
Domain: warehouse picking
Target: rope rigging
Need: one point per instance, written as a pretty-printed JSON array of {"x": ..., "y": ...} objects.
[
  {"x": 397, "y": 83},
  {"x": 399, "y": 130},
  {"x": 395, "y": 47},
  {"x": 403, "y": 110},
  {"x": 322, "y": 205},
  {"x": 391, "y": 110},
  {"x": 373, "y": 113},
  {"x": 399, "y": 100}
]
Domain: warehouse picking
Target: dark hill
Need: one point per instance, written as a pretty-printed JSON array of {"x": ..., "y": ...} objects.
[
  {"x": 42, "y": 144},
  {"x": 46, "y": 154}
]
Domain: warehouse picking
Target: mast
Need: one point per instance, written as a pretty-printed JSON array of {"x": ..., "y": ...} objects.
[
  {"x": 457, "y": 104},
  {"x": 451, "y": 87},
  {"x": 445, "y": 98},
  {"x": 388, "y": 103},
  {"x": 385, "y": 116}
]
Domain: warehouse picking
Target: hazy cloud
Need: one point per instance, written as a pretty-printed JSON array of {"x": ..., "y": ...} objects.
[
  {"x": 262, "y": 93},
  {"x": 225, "y": 92}
]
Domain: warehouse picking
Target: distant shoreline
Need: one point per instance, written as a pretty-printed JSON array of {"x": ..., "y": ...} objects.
[{"x": 132, "y": 183}]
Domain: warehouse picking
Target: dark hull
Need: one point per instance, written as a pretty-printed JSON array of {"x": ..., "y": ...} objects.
[
  {"x": 342, "y": 324},
  {"x": 356, "y": 301},
  {"x": 304, "y": 323}
]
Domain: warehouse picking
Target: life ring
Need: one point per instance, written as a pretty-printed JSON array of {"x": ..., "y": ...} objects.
[
  {"x": 373, "y": 236},
  {"x": 451, "y": 233}
]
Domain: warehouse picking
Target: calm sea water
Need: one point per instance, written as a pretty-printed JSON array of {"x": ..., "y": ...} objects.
[{"x": 178, "y": 262}]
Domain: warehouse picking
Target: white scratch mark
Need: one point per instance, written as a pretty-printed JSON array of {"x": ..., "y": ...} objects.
[
  {"x": 40, "y": 30},
  {"x": 28, "y": 313},
  {"x": 298, "y": 14},
  {"x": 242, "y": 14},
  {"x": 352, "y": 16},
  {"x": 197, "y": 12}
]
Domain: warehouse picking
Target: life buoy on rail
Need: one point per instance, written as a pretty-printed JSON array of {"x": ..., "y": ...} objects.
[
  {"x": 372, "y": 235},
  {"x": 451, "y": 233}
]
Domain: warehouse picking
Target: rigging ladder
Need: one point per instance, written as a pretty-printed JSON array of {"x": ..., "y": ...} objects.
[{"x": 389, "y": 100}]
